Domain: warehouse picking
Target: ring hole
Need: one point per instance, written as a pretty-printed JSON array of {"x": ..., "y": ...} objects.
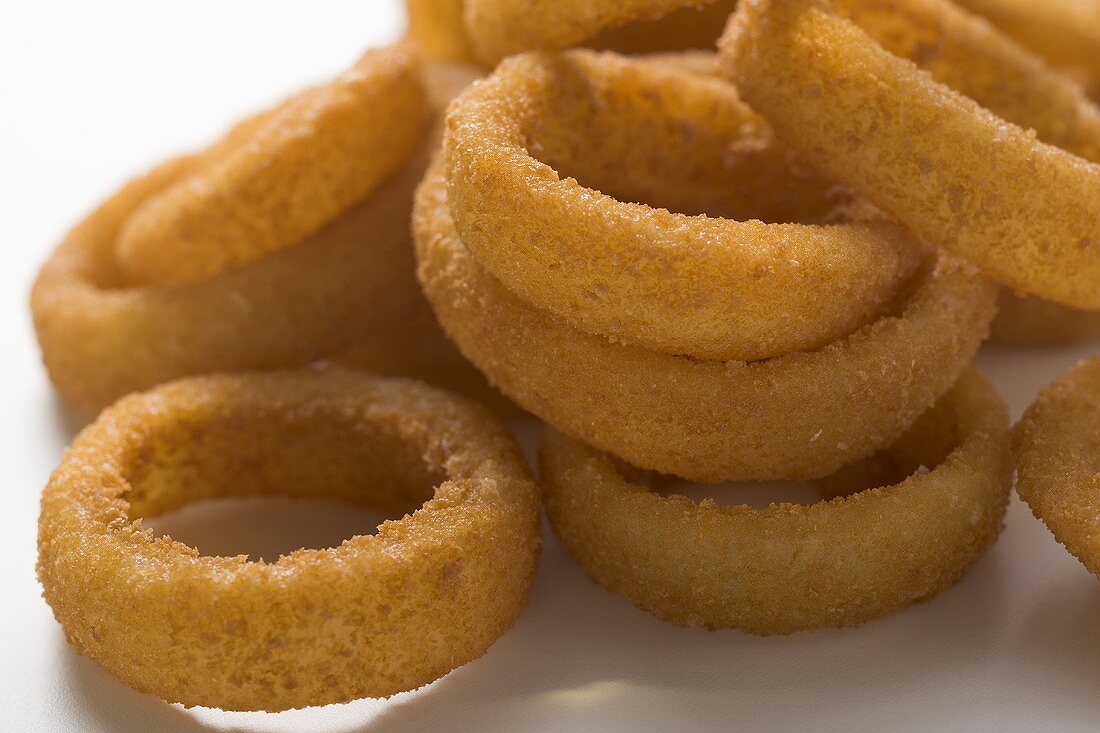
[
  {"x": 269, "y": 483},
  {"x": 704, "y": 151},
  {"x": 264, "y": 528}
]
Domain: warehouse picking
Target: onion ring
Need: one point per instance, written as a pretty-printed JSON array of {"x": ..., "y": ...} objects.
[
  {"x": 1064, "y": 32},
  {"x": 1057, "y": 444},
  {"x": 789, "y": 567},
  {"x": 712, "y": 288},
  {"x": 1030, "y": 321},
  {"x": 310, "y": 160},
  {"x": 933, "y": 159},
  {"x": 350, "y": 285},
  {"x": 499, "y": 28},
  {"x": 797, "y": 416},
  {"x": 436, "y": 29},
  {"x": 377, "y": 615}
]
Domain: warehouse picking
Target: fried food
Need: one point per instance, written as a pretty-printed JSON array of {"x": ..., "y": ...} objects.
[
  {"x": 500, "y": 28},
  {"x": 436, "y": 29},
  {"x": 1030, "y": 321},
  {"x": 720, "y": 287},
  {"x": 1057, "y": 448},
  {"x": 953, "y": 171},
  {"x": 788, "y": 567},
  {"x": 282, "y": 177},
  {"x": 1064, "y": 32},
  {"x": 802, "y": 415},
  {"x": 375, "y": 616},
  {"x": 349, "y": 286}
]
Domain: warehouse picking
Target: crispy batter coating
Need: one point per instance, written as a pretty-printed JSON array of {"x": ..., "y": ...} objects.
[
  {"x": 802, "y": 415},
  {"x": 723, "y": 286},
  {"x": 1064, "y": 32},
  {"x": 1012, "y": 201},
  {"x": 792, "y": 567},
  {"x": 351, "y": 285},
  {"x": 1029, "y": 321},
  {"x": 437, "y": 30},
  {"x": 284, "y": 178},
  {"x": 1057, "y": 448},
  {"x": 499, "y": 28},
  {"x": 375, "y": 616}
]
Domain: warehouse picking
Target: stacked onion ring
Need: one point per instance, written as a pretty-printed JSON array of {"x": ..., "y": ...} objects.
[
  {"x": 629, "y": 326},
  {"x": 377, "y": 615},
  {"x": 786, "y": 568},
  {"x": 995, "y": 156},
  {"x": 285, "y": 242}
]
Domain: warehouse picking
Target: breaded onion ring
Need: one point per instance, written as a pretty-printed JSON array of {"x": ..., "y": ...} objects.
[
  {"x": 1057, "y": 448},
  {"x": 1027, "y": 212},
  {"x": 499, "y": 28},
  {"x": 708, "y": 287},
  {"x": 437, "y": 30},
  {"x": 1030, "y": 321},
  {"x": 375, "y": 616},
  {"x": 351, "y": 285},
  {"x": 791, "y": 567},
  {"x": 310, "y": 160},
  {"x": 1064, "y": 32},
  {"x": 802, "y": 415}
]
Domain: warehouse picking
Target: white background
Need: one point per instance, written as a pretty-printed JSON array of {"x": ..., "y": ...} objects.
[{"x": 91, "y": 93}]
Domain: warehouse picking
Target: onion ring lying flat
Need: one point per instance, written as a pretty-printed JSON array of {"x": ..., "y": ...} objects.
[
  {"x": 350, "y": 285},
  {"x": 1030, "y": 321},
  {"x": 1027, "y": 212},
  {"x": 313, "y": 158},
  {"x": 377, "y": 615},
  {"x": 790, "y": 567},
  {"x": 1057, "y": 447},
  {"x": 437, "y": 30},
  {"x": 713, "y": 288},
  {"x": 1064, "y": 32},
  {"x": 499, "y": 28},
  {"x": 803, "y": 415}
]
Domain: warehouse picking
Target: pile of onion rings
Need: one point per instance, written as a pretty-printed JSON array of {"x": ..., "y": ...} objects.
[
  {"x": 800, "y": 414},
  {"x": 791, "y": 567},
  {"x": 681, "y": 285},
  {"x": 377, "y": 615},
  {"x": 1057, "y": 446},
  {"x": 349, "y": 285}
]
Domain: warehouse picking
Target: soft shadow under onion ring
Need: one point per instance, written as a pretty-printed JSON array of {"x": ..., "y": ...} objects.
[
  {"x": 377, "y": 615},
  {"x": 797, "y": 416},
  {"x": 792, "y": 567}
]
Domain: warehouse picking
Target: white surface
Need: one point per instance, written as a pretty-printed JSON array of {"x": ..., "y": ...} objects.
[{"x": 92, "y": 92}]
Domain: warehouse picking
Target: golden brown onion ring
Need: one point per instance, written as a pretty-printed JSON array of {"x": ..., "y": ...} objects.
[
  {"x": 1026, "y": 211},
  {"x": 802, "y": 415},
  {"x": 351, "y": 285},
  {"x": 791, "y": 567},
  {"x": 375, "y": 616},
  {"x": 1057, "y": 447},
  {"x": 436, "y": 29},
  {"x": 1030, "y": 321},
  {"x": 709, "y": 287},
  {"x": 1064, "y": 32},
  {"x": 499, "y": 28},
  {"x": 295, "y": 170}
]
